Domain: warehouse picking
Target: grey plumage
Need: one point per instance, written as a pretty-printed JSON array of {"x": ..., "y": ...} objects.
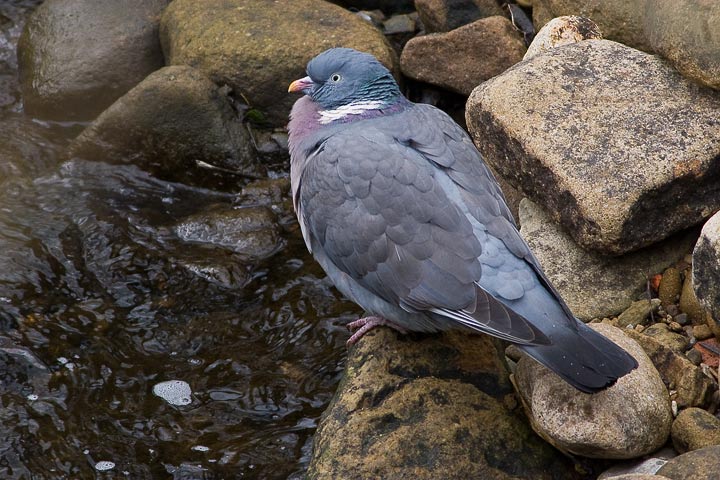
[{"x": 398, "y": 207}]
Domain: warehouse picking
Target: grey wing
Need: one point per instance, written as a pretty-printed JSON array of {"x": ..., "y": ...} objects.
[
  {"x": 452, "y": 150},
  {"x": 375, "y": 208}
]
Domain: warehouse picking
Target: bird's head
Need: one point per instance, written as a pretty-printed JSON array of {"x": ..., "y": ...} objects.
[{"x": 341, "y": 76}]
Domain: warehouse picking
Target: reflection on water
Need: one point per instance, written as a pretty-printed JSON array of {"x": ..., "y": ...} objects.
[{"x": 97, "y": 307}]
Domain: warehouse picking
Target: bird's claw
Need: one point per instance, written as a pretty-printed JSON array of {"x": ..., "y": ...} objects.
[{"x": 364, "y": 325}]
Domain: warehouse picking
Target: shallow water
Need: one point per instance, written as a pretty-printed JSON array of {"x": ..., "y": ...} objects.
[{"x": 98, "y": 306}]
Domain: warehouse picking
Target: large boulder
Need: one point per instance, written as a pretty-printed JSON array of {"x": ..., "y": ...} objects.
[
  {"x": 462, "y": 59},
  {"x": 446, "y": 15},
  {"x": 258, "y": 47},
  {"x": 595, "y": 285},
  {"x": 427, "y": 407},
  {"x": 76, "y": 57},
  {"x": 619, "y": 20},
  {"x": 706, "y": 265},
  {"x": 615, "y": 143},
  {"x": 686, "y": 32},
  {"x": 627, "y": 420},
  {"x": 168, "y": 123}
]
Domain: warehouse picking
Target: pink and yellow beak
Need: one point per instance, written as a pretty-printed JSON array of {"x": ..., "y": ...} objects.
[{"x": 301, "y": 85}]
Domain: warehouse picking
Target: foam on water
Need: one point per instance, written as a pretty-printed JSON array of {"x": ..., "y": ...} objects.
[{"x": 175, "y": 392}]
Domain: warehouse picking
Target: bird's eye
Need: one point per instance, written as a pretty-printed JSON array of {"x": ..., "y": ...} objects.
[{"x": 335, "y": 77}]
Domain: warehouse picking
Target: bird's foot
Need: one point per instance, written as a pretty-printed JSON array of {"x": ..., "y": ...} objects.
[{"x": 366, "y": 324}]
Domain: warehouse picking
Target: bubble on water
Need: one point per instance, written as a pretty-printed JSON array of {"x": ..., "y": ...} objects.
[
  {"x": 32, "y": 397},
  {"x": 62, "y": 360},
  {"x": 175, "y": 392},
  {"x": 104, "y": 466},
  {"x": 200, "y": 448}
]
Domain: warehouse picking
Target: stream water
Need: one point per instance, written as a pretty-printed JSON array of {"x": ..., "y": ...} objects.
[{"x": 96, "y": 309}]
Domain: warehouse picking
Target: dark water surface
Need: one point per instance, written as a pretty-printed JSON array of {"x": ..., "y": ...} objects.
[{"x": 97, "y": 306}]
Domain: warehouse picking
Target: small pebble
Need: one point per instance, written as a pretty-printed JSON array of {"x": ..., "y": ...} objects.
[
  {"x": 675, "y": 327},
  {"x": 681, "y": 318},
  {"x": 701, "y": 332},
  {"x": 694, "y": 356},
  {"x": 674, "y": 407}
]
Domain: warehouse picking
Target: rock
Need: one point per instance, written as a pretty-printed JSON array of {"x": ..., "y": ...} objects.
[
  {"x": 686, "y": 32},
  {"x": 690, "y": 304},
  {"x": 594, "y": 285},
  {"x": 703, "y": 464},
  {"x": 706, "y": 265},
  {"x": 695, "y": 428},
  {"x": 399, "y": 24},
  {"x": 446, "y": 15},
  {"x": 638, "y": 312},
  {"x": 428, "y": 407},
  {"x": 76, "y": 57},
  {"x": 613, "y": 187},
  {"x": 627, "y": 420},
  {"x": 694, "y": 356},
  {"x": 701, "y": 332},
  {"x": 639, "y": 476},
  {"x": 465, "y": 57},
  {"x": 562, "y": 31},
  {"x": 168, "y": 123},
  {"x": 250, "y": 232},
  {"x": 646, "y": 466},
  {"x": 693, "y": 388},
  {"x": 674, "y": 341},
  {"x": 387, "y": 6},
  {"x": 258, "y": 47},
  {"x": 670, "y": 286},
  {"x": 619, "y": 20}
]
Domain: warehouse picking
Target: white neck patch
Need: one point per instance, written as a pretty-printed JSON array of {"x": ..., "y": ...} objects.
[{"x": 354, "y": 108}]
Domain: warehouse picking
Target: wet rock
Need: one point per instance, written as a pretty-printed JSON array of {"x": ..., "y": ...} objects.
[
  {"x": 428, "y": 407},
  {"x": 614, "y": 188},
  {"x": 674, "y": 341},
  {"x": 706, "y": 265},
  {"x": 686, "y": 32},
  {"x": 693, "y": 388},
  {"x": 638, "y": 313},
  {"x": 251, "y": 232},
  {"x": 695, "y": 428},
  {"x": 463, "y": 58},
  {"x": 702, "y": 464},
  {"x": 446, "y": 15},
  {"x": 562, "y": 31},
  {"x": 76, "y": 57},
  {"x": 592, "y": 284},
  {"x": 258, "y": 47},
  {"x": 670, "y": 286},
  {"x": 627, "y": 420},
  {"x": 619, "y": 20},
  {"x": 170, "y": 122}
]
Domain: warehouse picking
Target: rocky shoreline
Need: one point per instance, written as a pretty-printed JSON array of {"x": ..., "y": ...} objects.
[{"x": 605, "y": 135}]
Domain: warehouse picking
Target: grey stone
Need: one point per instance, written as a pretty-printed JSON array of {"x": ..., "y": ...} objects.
[
  {"x": 627, "y": 420},
  {"x": 76, "y": 57},
  {"x": 592, "y": 284},
  {"x": 446, "y": 15},
  {"x": 607, "y": 138},
  {"x": 465, "y": 57},
  {"x": 702, "y": 464},
  {"x": 638, "y": 313},
  {"x": 258, "y": 47},
  {"x": 399, "y": 24},
  {"x": 562, "y": 31},
  {"x": 706, "y": 265},
  {"x": 168, "y": 123},
  {"x": 428, "y": 407},
  {"x": 686, "y": 32},
  {"x": 619, "y": 20}
]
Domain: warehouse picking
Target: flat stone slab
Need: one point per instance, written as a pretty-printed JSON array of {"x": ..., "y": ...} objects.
[{"x": 613, "y": 142}]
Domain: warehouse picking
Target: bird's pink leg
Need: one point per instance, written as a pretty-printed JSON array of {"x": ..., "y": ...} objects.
[{"x": 366, "y": 324}]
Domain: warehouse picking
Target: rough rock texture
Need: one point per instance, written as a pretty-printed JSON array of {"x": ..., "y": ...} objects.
[
  {"x": 594, "y": 285},
  {"x": 76, "y": 57},
  {"x": 463, "y": 58},
  {"x": 258, "y": 47},
  {"x": 563, "y": 31},
  {"x": 662, "y": 334},
  {"x": 166, "y": 124},
  {"x": 638, "y": 313},
  {"x": 627, "y": 420},
  {"x": 251, "y": 232},
  {"x": 619, "y": 20},
  {"x": 446, "y": 15},
  {"x": 427, "y": 407},
  {"x": 690, "y": 304},
  {"x": 645, "y": 466},
  {"x": 693, "y": 388},
  {"x": 670, "y": 286},
  {"x": 703, "y": 464},
  {"x": 706, "y": 265},
  {"x": 695, "y": 428},
  {"x": 686, "y": 32},
  {"x": 607, "y": 138}
]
